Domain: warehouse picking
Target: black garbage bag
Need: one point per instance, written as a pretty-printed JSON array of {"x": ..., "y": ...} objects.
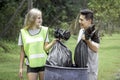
[
  {"x": 81, "y": 50},
  {"x": 81, "y": 54},
  {"x": 59, "y": 55}
]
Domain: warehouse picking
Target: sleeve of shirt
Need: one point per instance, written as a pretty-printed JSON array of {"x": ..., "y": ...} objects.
[
  {"x": 96, "y": 37},
  {"x": 47, "y": 38},
  {"x": 20, "y": 40},
  {"x": 96, "y": 44}
]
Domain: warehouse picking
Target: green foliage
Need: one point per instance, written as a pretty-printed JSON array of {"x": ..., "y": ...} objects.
[
  {"x": 56, "y": 13},
  {"x": 107, "y": 13},
  {"x": 60, "y": 13},
  {"x": 6, "y": 12}
]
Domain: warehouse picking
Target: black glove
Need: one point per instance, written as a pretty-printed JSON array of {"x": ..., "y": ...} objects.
[
  {"x": 87, "y": 35},
  {"x": 88, "y": 31}
]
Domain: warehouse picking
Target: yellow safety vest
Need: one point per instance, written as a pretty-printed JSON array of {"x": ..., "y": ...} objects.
[{"x": 34, "y": 47}]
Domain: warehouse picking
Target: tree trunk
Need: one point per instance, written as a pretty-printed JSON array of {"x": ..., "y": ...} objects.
[
  {"x": 4, "y": 32},
  {"x": 30, "y": 4},
  {"x": 84, "y": 4}
]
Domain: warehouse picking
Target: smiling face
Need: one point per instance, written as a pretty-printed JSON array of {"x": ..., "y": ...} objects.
[
  {"x": 84, "y": 23},
  {"x": 33, "y": 19},
  {"x": 38, "y": 20}
]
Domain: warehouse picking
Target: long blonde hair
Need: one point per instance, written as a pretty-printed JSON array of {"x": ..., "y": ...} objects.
[{"x": 31, "y": 17}]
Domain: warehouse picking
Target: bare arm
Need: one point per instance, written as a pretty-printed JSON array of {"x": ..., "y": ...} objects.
[
  {"x": 92, "y": 45},
  {"x": 22, "y": 54},
  {"x": 47, "y": 45}
]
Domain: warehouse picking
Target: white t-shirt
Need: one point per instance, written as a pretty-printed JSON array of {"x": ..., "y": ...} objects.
[
  {"x": 92, "y": 56},
  {"x": 81, "y": 32}
]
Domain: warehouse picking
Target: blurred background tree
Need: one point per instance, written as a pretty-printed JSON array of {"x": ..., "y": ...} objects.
[
  {"x": 107, "y": 15},
  {"x": 58, "y": 13}
]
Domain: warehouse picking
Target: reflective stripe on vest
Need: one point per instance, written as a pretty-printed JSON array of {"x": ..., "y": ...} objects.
[{"x": 33, "y": 47}]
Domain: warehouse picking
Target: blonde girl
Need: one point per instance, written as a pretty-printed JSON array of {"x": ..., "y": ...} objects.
[{"x": 34, "y": 41}]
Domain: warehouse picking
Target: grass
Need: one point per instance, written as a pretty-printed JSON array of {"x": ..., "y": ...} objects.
[{"x": 109, "y": 58}]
